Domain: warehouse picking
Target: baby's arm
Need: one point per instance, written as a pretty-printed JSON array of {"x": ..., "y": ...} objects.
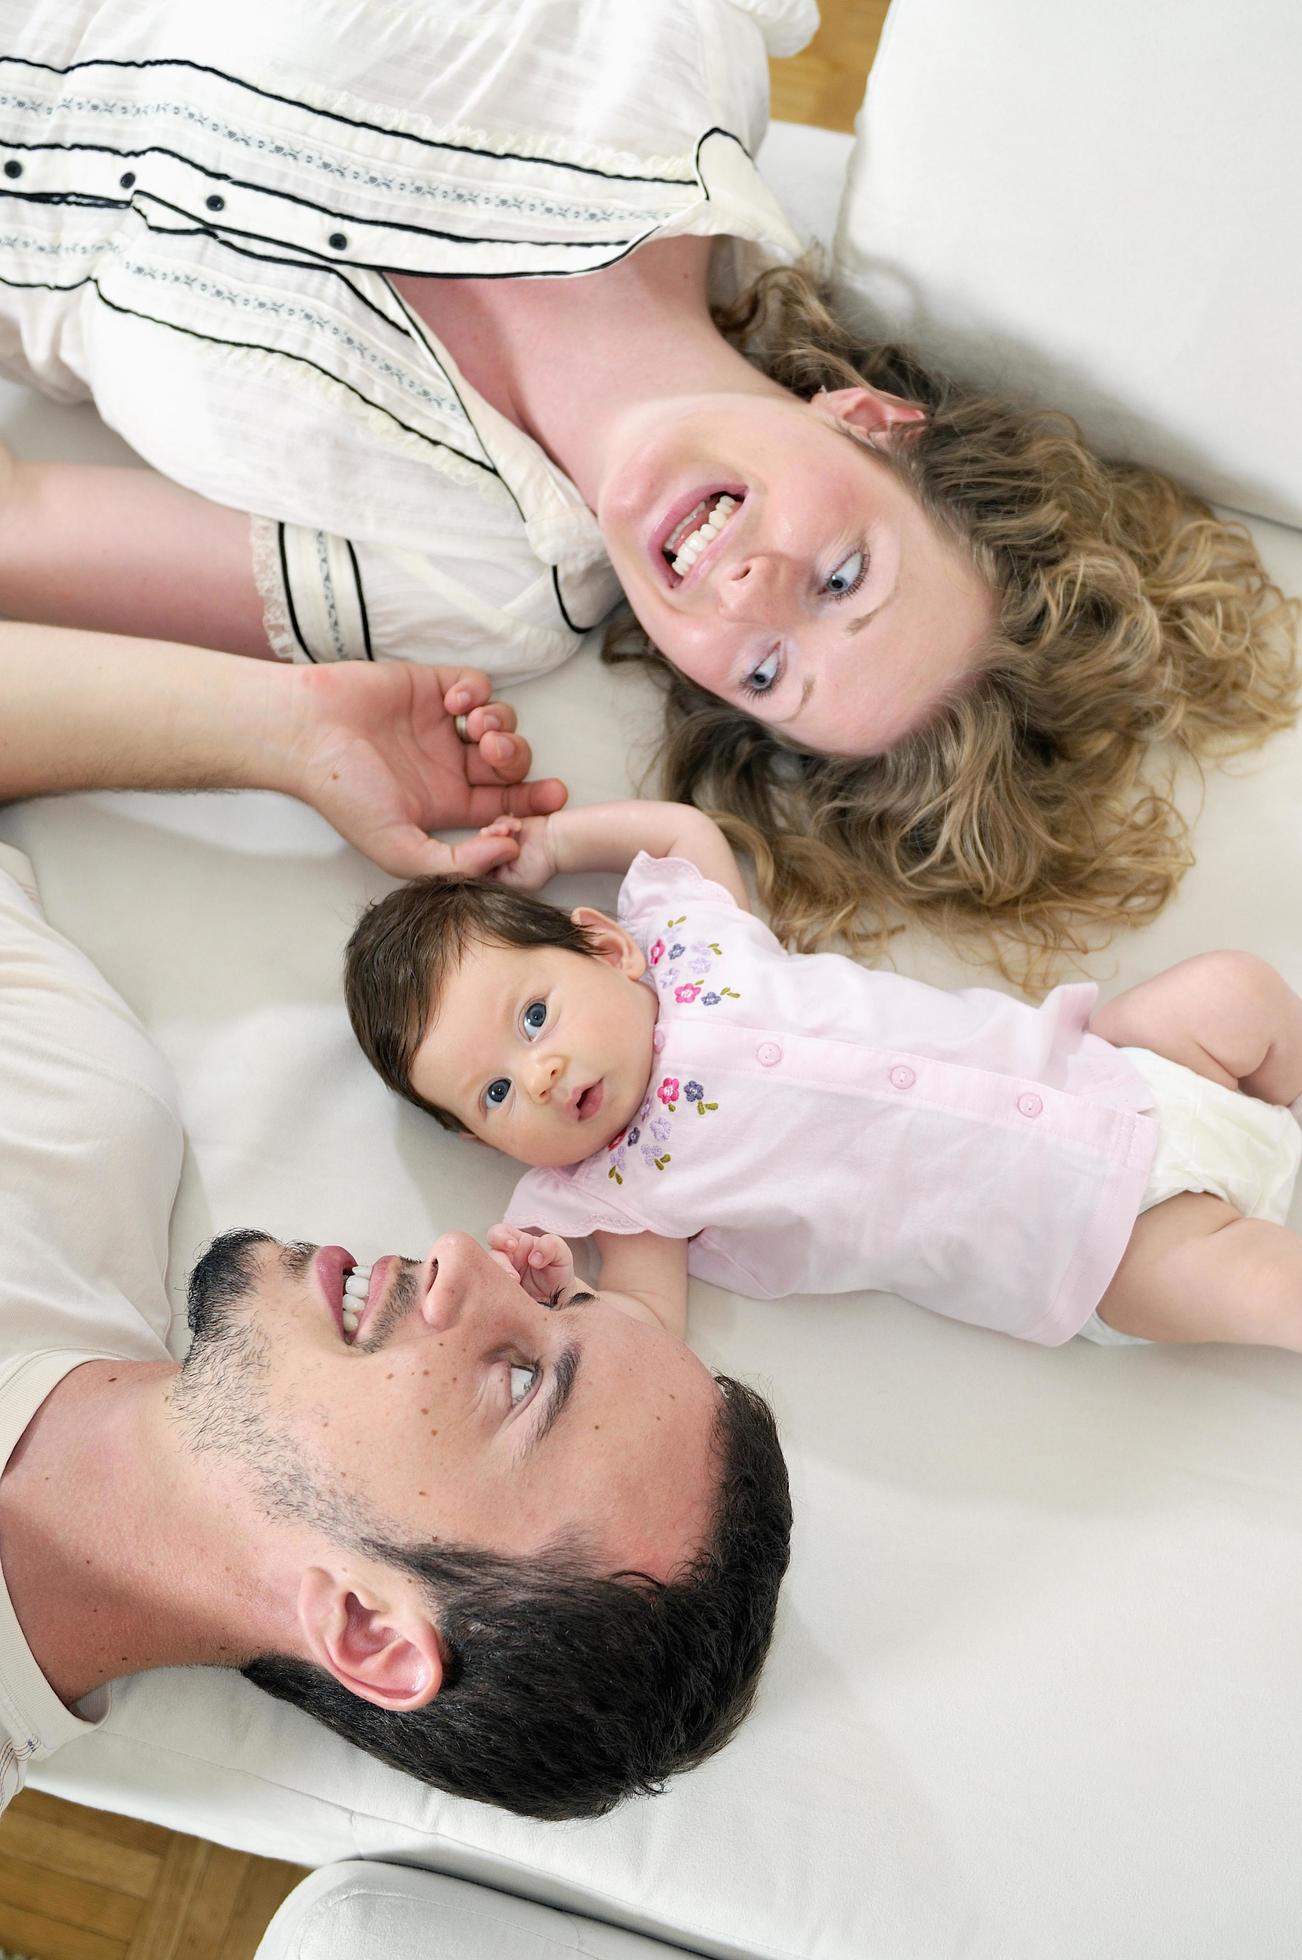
[
  {"x": 608, "y": 836},
  {"x": 641, "y": 1274}
]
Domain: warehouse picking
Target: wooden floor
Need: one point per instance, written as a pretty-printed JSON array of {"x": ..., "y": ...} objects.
[
  {"x": 81, "y": 1884},
  {"x": 84, "y": 1885}
]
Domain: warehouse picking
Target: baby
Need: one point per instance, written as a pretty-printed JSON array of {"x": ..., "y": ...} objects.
[{"x": 694, "y": 1096}]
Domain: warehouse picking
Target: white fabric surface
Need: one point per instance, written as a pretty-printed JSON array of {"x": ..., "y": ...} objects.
[
  {"x": 1038, "y": 1681},
  {"x": 1100, "y": 208},
  {"x": 90, "y": 1151},
  {"x": 351, "y": 1911}
]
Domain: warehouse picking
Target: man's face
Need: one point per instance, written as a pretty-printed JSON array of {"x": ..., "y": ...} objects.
[{"x": 459, "y": 1409}]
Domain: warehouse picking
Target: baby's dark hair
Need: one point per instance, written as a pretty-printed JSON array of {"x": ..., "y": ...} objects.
[{"x": 406, "y": 947}]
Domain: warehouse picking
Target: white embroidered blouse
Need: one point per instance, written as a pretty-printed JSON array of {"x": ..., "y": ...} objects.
[{"x": 199, "y": 210}]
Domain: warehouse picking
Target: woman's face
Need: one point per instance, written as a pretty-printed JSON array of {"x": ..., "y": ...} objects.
[{"x": 823, "y": 601}]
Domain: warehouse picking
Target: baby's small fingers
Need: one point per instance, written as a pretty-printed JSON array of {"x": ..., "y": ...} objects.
[
  {"x": 500, "y": 1238},
  {"x": 504, "y": 1260}
]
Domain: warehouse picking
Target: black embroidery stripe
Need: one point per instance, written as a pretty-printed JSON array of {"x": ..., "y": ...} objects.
[
  {"x": 361, "y": 600},
  {"x": 281, "y": 353},
  {"x": 565, "y": 614},
  {"x": 326, "y": 211},
  {"x": 43, "y": 285},
  {"x": 289, "y": 592},
  {"x": 350, "y": 122},
  {"x": 192, "y": 229},
  {"x": 421, "y": 333}
]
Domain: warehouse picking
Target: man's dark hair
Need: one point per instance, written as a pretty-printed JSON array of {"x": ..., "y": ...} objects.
[
  {"x": 567, "y": 1690},
  {"x": 406, "y": 947}
]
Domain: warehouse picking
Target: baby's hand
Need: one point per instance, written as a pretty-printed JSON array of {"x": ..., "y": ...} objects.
[
  {"x": 534, "y": 863},
  {"x": 539, "y": 1260}
]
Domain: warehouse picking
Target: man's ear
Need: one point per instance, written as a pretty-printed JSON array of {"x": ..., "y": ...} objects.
[
  {"x": 870, "y": 410},
  {"x": 381, "y": 1646},
  {"x": 613, "y": 945}
]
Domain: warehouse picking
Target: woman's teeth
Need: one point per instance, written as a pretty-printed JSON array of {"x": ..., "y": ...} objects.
[
  {"x": 686, "y": 545},
  {"x": 356, "y": 1287}
]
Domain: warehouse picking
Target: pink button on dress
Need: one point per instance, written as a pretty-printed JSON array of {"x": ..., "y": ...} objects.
[{"x": 812, "y": 1126}]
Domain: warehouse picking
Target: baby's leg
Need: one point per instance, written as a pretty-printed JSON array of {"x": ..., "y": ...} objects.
[
  {"x": 1229, "y": 1016},
  {"x": 1197, "y": 1270}
]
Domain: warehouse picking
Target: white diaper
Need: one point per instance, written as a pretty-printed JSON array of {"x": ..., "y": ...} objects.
[{"x": 1212, "y": 1139}]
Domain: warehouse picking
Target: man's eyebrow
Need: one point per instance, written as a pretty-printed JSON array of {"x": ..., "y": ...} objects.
[{"x": 565, "y": 1372}]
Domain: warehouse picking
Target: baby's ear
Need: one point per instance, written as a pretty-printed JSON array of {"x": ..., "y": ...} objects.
[{"x": 610, "y": 941}]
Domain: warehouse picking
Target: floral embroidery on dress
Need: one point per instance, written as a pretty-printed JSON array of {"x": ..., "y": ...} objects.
[
  {"x": 650, "y": 1133},
  {"x": 680, "y": 967}
]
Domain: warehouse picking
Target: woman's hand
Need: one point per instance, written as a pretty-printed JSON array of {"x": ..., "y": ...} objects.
[
  {"x": 540, "y": 1261},
  {"x": 375, "y": 749}
]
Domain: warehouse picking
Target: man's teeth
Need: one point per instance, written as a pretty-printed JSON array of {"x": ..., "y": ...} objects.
[
  {"x": 356, "y": 1287},
  {"x": 688, "y": 549}
]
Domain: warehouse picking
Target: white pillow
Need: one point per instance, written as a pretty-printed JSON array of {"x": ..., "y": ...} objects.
[{"x": 1099, "y": 208}]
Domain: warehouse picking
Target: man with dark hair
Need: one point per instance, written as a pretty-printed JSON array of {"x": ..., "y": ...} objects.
[{"x": 526, "y": 1550}]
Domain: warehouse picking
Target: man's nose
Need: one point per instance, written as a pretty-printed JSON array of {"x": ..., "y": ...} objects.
[{"x": 448, "y": 1279}]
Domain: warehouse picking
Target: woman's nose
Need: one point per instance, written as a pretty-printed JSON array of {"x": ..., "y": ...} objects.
[{"x": 750, "y": 589}]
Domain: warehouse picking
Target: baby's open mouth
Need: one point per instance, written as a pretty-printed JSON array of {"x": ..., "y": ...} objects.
[{"x": 589, "y": 1101}]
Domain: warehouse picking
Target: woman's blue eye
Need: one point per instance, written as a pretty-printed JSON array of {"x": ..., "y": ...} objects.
[
  {"x": 535, "y": 1016},
  {"x": 497, "y": 1092},
  {"x": 522, "y": 1380},
  {"x": 848, "y": 576},
  {"x": 762, "y": 678}
]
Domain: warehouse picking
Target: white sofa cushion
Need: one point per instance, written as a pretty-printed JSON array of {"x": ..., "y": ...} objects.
[
  {"x": 1099, "y": 207},
  {"x": 351, "y": 1911}
]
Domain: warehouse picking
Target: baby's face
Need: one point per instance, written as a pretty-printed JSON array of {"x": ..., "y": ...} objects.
[{"x": 543, "y": 1053}]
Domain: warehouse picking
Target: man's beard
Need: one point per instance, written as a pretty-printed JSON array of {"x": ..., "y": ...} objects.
[{"x": 220, "y": 1402}]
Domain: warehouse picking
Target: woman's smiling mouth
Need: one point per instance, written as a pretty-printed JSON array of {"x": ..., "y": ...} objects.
[{"x": 685, "y": 537}]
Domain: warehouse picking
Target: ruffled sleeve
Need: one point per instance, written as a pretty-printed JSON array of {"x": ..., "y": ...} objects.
[{"x": 571, "y": 1203}]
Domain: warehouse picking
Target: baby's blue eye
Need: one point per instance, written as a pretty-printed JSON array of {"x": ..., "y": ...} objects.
[
  {"x": 535, "y": 1016},
  {"x": 497, "y": 1092}
]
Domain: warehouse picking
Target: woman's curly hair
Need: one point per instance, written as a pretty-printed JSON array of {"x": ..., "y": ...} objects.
[{"x": 1034, "y": 808}]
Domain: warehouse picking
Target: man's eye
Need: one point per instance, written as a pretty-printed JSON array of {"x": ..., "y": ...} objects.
[
  {"x": 497, "y": 1092},
  {"x": 535, "y": 1017},
  {"x": 761, "y": 679},
  {"x": 522, "y": 1380},
  {"x": 848, "y": 576}
]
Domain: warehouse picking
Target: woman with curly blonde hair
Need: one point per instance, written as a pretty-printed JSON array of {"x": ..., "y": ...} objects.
[
  {"x": 423, "y": 343},
  {"x": 1028, "y": 806}
]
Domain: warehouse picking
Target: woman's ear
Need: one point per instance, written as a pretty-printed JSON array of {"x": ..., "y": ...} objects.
[
  {"x": 381, "y": 1646},
  {"x": 610, "y": 941},
  {"x": 870, "y": 410}
]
